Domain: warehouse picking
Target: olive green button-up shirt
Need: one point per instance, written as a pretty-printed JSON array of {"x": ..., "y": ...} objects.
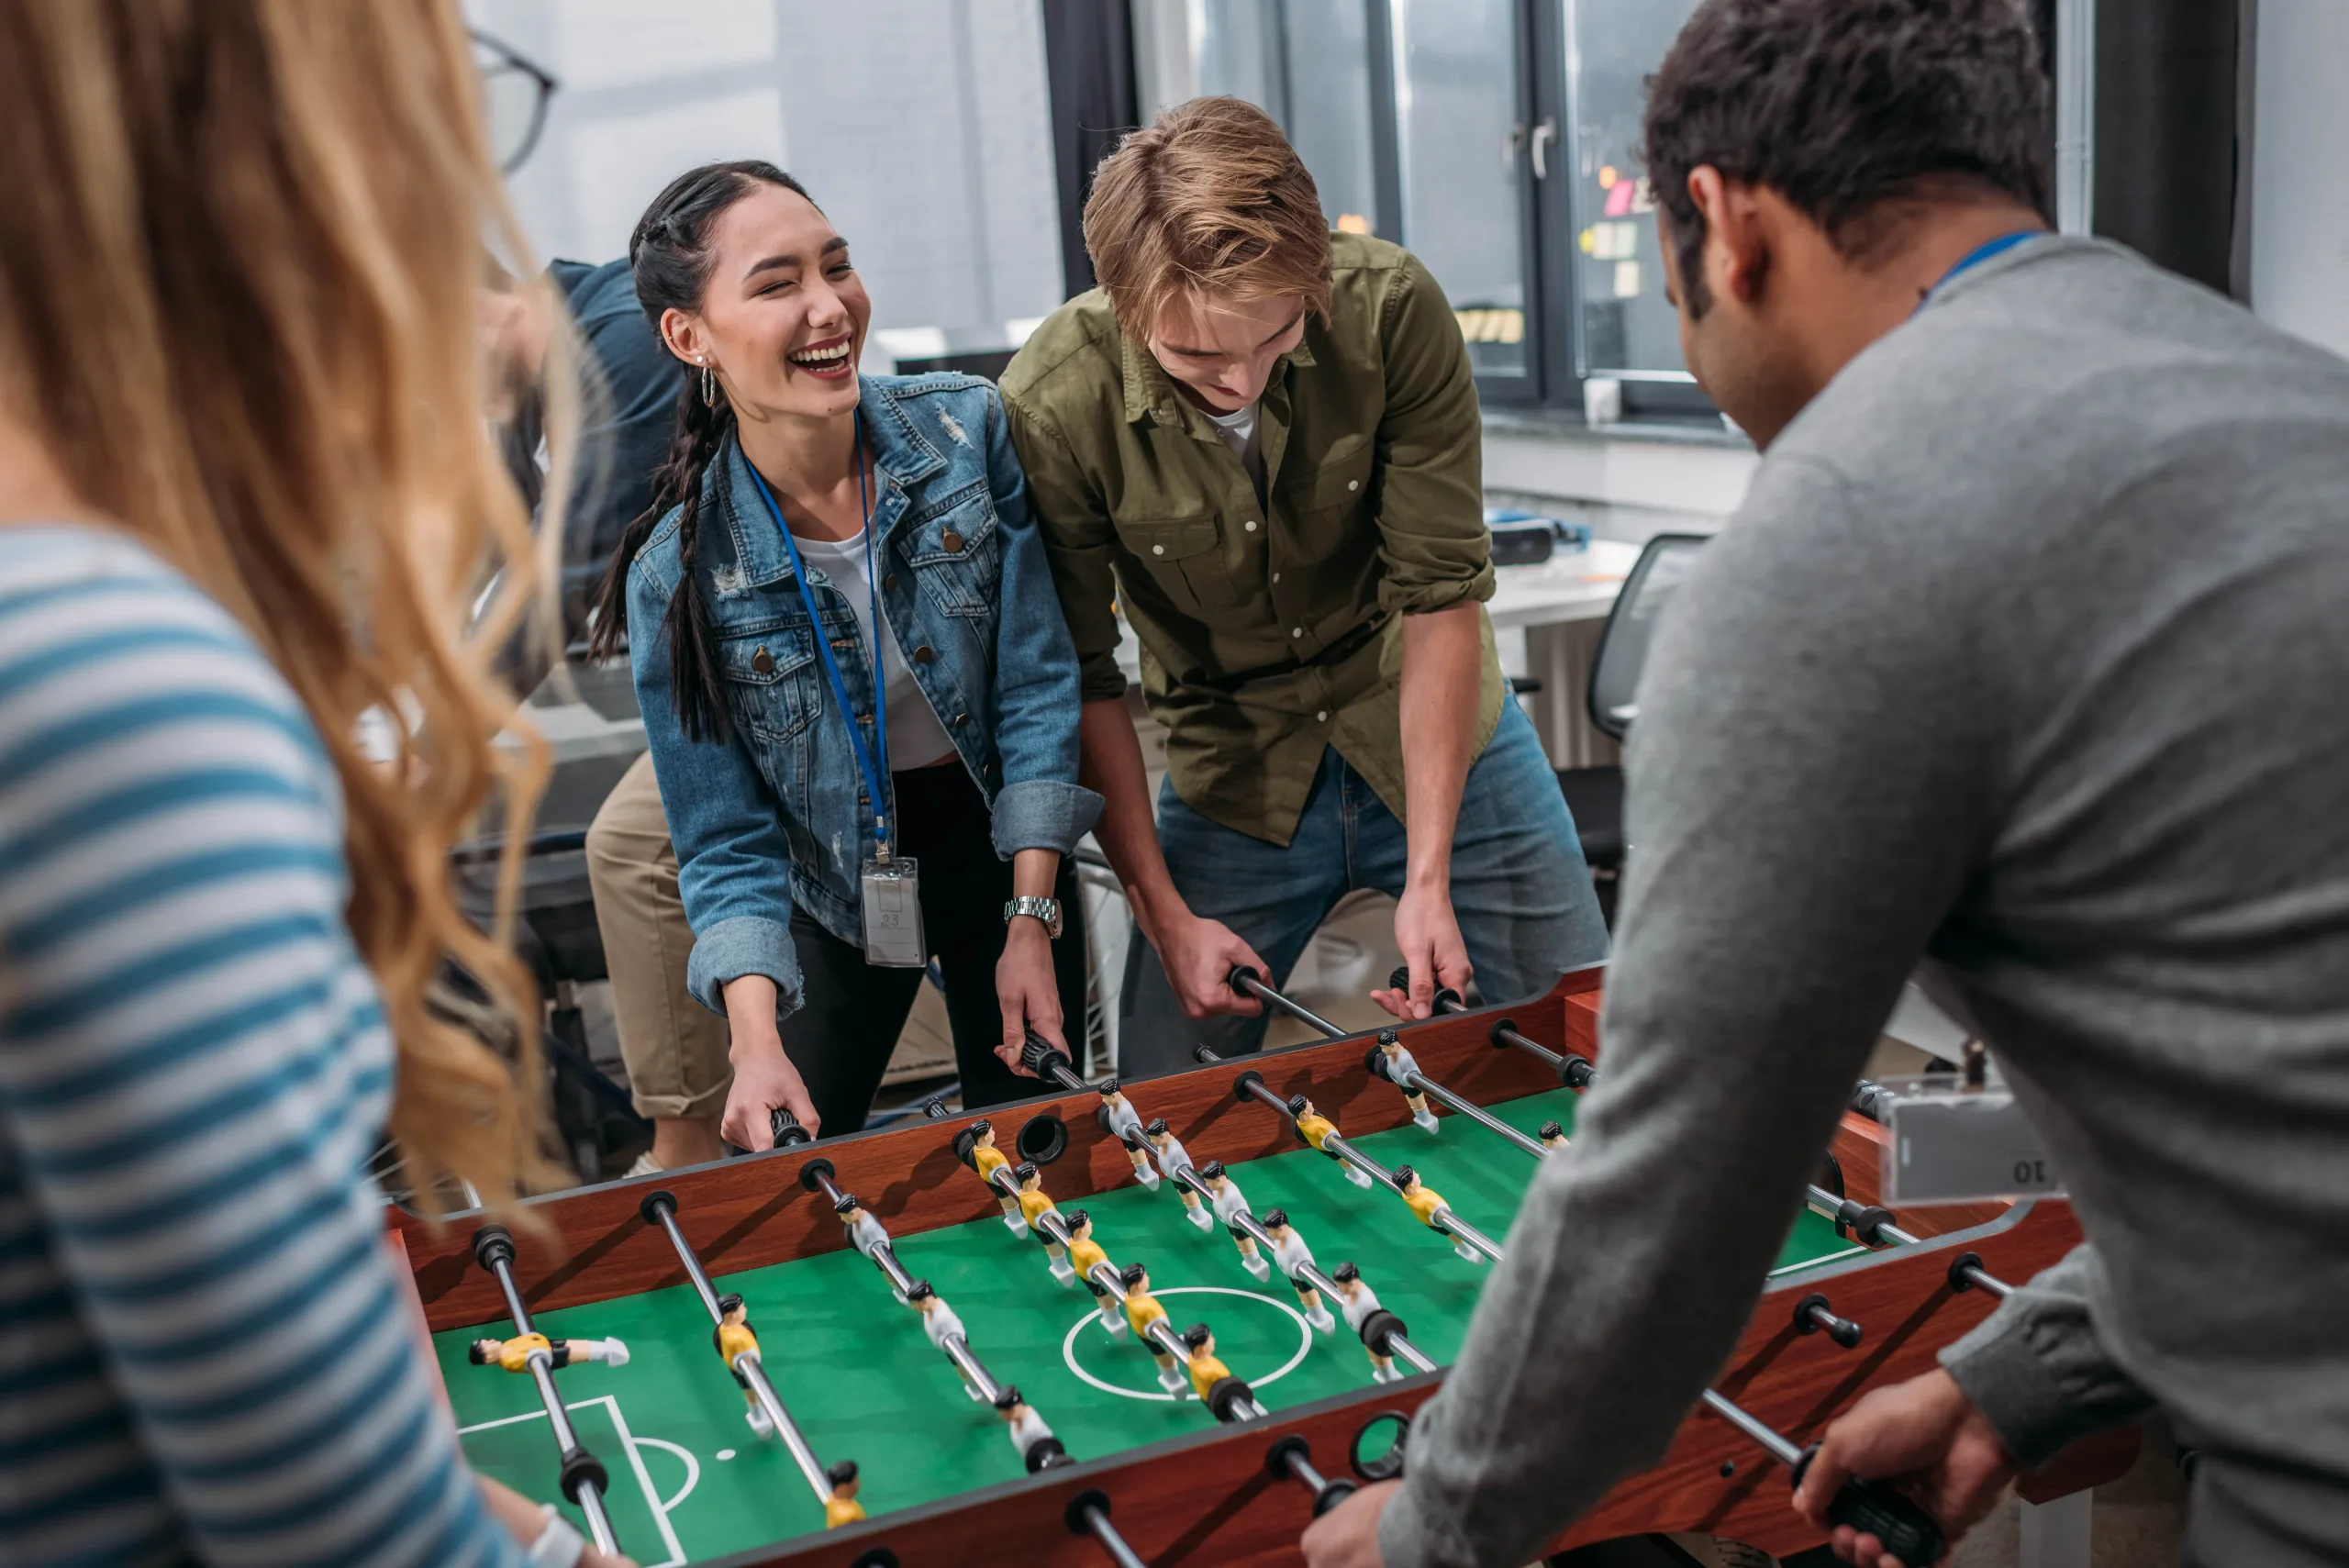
[{"x": 1271, "y": 624}]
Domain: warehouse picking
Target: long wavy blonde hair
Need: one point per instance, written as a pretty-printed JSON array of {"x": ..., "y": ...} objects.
[{"x": 240, "y": 242}]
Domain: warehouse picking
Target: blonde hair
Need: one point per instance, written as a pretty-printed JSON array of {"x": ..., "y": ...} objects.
[
  {"x": 240, "y": 246},
  {"x": 1212, "y": 200}
]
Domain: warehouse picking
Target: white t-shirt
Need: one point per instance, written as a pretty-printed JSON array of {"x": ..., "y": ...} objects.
[
  {"x": 916, "y": 738},
  {"x": 1240, "y": 434}
]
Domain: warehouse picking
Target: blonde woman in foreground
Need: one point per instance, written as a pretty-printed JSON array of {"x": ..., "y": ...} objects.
[{"x": 244, "y": 488}]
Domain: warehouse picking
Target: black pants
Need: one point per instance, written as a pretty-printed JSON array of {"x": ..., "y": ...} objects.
[{"x": 840, "y": 1039}]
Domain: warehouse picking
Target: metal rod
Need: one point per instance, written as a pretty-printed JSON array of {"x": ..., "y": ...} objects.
[
  {"x": 1478, "y": 1114},
  {"x": 1784, "y": 1452},
  {"x": 1575, "y": 1071},
  {"x": 591, "y": 1497},
  {"x": 746, "y": 1365},
  {"x": 1460, "y": 1229},
  {"x": 1111, "y": 1541},
  {"x": 541, "y": 1364},
  {"x": 1248, "y": 982},
  {"x": 1302, "y": 1468}
]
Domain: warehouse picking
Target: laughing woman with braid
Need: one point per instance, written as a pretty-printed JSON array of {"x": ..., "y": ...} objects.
[{"x": 859, "y": 695}]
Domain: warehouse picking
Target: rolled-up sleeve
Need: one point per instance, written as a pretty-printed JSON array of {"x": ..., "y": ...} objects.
[
  {"x": 1432, "y": 538},
  {"x": 1074, "y": 525},
  {"x": 1041, "y": 805},
  {"x": 733, "y": 866}
]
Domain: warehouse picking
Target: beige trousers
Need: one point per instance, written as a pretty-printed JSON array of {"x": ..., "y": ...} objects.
[{"x": 674, "y": 1047}]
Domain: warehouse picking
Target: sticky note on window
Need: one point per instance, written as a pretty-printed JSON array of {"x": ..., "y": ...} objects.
[
  {"x": 1627, "y": 280},
  {"x": 1619, "y": 198}
]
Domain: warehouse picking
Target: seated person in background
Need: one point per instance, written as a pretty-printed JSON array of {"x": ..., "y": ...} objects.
[
  {"x": 225, "y": 531},
  {"x": 847, "y": 652},
  {"x": 2026, "y": 655},
  {"x": 1261, "y": 440},
  {"x": 628, "y": 385}
]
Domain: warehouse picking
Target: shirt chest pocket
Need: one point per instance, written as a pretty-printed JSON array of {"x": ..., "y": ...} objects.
[
  {"x": 956, "y": 552},
  {"x": 1185, "y": 557},
  {"x": 1327, "y": 502},
  {"x": 770, "y": 680}
]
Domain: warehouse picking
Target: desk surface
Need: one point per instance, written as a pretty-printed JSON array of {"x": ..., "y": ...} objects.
[{"x": 1574, "y": 585}]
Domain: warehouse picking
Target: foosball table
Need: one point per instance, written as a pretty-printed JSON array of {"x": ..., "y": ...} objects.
[{"x": 1164, "y": 1323}]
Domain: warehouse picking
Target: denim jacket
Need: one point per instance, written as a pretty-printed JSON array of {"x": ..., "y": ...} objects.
[{"x": 771, "y": 816}]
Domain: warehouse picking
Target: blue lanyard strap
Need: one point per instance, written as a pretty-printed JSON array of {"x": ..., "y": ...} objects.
[
  {"x": 875, "y": 763},
  {"x": 1975, "y": 257}
]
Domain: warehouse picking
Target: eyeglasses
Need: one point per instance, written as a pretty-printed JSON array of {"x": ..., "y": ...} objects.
[{"x": 514, "y": 92}]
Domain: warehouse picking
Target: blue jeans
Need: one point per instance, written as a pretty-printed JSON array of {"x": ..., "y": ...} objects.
[{"x": 1520, "y": 889}]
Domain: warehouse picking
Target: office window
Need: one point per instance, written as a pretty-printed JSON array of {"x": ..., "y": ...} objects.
[
  {"x": 1305, "y": 62},
  {"x": 922, "y": 129},
  {"x": 1628, "y": 329},
  {"x": 1464, "y": 164}
]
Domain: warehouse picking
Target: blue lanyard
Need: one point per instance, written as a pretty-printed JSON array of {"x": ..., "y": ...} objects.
[
  {"x": 1997, "y": 248},
  {"x": 875, "y": 768}
]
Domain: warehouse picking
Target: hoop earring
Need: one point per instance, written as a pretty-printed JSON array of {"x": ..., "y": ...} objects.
[{"x": 709, "y": 388}]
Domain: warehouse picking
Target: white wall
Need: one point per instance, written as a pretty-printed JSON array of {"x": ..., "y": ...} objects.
[
  {"x": 921, "y": 127},
  {"x": 1625, "y": 487},
  {"x": 2300, "y": 215}
]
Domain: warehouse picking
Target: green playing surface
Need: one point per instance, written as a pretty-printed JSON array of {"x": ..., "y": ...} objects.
[{"x": 690, "y": 1480}]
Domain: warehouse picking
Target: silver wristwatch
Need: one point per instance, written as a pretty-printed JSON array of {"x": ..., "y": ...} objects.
[{"x": 1048, "y": 910}]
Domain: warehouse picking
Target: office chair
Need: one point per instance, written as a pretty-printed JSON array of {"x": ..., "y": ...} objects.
[{"x": 1594, "y": 795}]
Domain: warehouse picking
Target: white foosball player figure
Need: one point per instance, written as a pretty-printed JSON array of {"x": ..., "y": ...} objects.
[
  {"x": 1401, "y": 1068},
  {"x": 1290, "y": 1254},
  {"x": 939, "y": 1323},
  {"x": 1030, "y": 1436},
  {"x": 1124, "y": 1124},
  {"x": 1173, "y": 1159},
  {"x": 1231, "y": 1203},
  {"x": 864, "y": 1233},
  {"x": 1358, "y": 1301}
]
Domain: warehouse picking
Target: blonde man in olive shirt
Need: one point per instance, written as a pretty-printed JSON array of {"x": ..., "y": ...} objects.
[{"x": 1259, "y": 441}]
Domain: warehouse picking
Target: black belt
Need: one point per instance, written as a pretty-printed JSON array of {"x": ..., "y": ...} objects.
[{"x": 1338, "y": 652}]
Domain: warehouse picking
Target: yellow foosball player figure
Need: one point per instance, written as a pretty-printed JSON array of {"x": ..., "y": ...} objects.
[
  {"x": 1176, "y": 1161},
  {"x": 986, "y": 1160},
  {"x": 1553, "y": 1137},
  {"x": 735, "y": 1337},
  {"x": 1428, "y": 1204},
  {"x": 1313, "y": 1127},
  {"x": 514, "y": 1355},
  {"x": 1142, "y": 1311},
  {"x": 1205, "y": 1371},
  {"x": 841, "y": 1508},
  {"x": 1124, "y": 1124},
  {"x": 1034, "y": 1204},
  {"x": 1358, "y": 1301},
  {"x": 1085, "y": 1254}
]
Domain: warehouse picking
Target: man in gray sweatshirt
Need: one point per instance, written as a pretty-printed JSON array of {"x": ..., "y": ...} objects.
[{"x": 2027, "y": 656}]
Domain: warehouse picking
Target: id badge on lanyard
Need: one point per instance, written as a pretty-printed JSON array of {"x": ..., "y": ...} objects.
[{"x": 890, "y": 886}]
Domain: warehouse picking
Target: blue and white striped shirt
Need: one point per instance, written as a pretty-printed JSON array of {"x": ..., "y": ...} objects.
[{"x": 203, "y": 1351}]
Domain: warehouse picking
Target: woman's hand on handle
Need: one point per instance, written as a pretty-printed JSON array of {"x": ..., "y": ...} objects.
[
  {"x": 1027, "y": 990},
  {"x": 764, "y": 1076}
]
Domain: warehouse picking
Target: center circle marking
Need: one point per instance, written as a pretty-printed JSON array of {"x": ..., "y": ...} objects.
[{"x": 1304, "y": 1330}]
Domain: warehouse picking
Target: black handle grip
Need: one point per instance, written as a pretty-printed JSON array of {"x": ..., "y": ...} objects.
[
  {"x": 1400, "y": 979},
  {"x": 1905, "y": 1530},
  {"x": 1242, "y": 972},
  {"x": 1039, "y": 1056},
  {"x": 787, "y": 1130}
]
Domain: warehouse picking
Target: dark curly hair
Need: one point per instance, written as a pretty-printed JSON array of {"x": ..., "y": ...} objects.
[{"x": 1843, "y": 106}]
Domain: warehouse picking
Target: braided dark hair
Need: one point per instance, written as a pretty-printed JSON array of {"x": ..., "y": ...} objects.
[{"x": 671, "y": 260}]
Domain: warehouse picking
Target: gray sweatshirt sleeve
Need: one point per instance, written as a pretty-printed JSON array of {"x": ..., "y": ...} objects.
[
  {"x": 2037, "y": 1369},
  {"x": 1807, "y": 803}
]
